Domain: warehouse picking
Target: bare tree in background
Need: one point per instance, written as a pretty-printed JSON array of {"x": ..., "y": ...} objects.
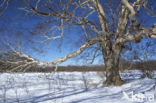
[{"x": 115, "y": 27}]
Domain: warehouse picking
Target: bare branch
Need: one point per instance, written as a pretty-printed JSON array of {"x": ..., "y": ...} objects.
[
  {"x": 53, "y": 29},
  {"x": 37, "y": 3},
  {"x": 102, "y": 15},
  {"x": 65, "y": 16},
  {"x": 95, "y": 55},
  {"x": 85, "y": 2},
  {"x": 8, "y": 44},
  {"x": 68, "y": 6},
  {"x": 78, "y": 52},
  {"x": 35, "y": 11},
  {"x": 89, "y": 14},
  {"x": 122, "y": 21},
  {"x": 150, "y": 33},
  {"x": 19, "y": 61},
  {"x": 149, "y": 12},
  {"x": 85, "y": 31},
  {"x": 130, "y": 7},
  {"x": 6, "y": 6}
]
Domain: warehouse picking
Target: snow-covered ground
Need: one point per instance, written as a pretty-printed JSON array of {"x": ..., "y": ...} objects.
[{"x": 74, "y": 87}]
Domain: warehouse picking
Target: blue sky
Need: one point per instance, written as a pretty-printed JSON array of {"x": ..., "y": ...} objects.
[{"x": 15, "y": 21}]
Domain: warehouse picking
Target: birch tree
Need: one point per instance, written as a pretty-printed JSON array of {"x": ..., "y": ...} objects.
[{"x": 116, "y": 26}]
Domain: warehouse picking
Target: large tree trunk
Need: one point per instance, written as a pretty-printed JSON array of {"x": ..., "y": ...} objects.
[
  {"x": 112, "y": 73},
  {"x": 111, "y": 59}
]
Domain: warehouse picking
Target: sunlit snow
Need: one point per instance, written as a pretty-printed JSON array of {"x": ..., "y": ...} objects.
[{"x": 74, "y": 87}]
